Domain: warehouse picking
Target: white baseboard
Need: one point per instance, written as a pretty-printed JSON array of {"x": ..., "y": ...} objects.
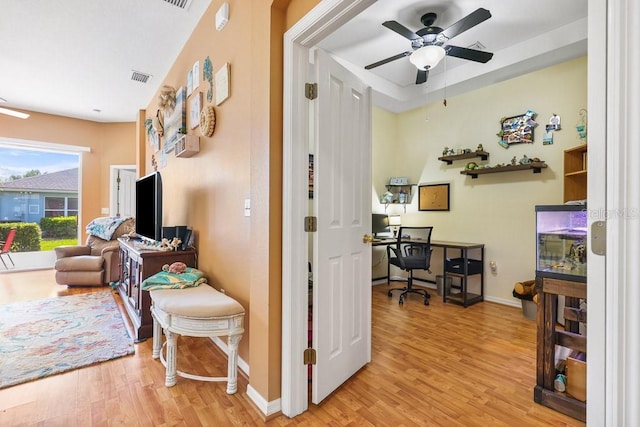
[
  {"x": 267, "y": 408},
  {"x": 503, "y": 301}
]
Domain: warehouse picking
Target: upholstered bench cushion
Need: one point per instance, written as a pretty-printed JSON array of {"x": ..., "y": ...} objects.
[
  {"x": 202, "y": 302},
  {"x": 80, "y": 263}
]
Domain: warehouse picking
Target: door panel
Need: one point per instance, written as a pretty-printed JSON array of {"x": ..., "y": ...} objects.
[{"x": 342, "y": 187}]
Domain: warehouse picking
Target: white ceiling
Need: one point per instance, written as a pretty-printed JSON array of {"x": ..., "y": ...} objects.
[
  {"x": 70, "y": 57},
  {"x": 524, "y": 35}
]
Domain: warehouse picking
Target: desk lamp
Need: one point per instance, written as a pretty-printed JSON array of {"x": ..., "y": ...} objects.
[{"x": 394, "y": 223}]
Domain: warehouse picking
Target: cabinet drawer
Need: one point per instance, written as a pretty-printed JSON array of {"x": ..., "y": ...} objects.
[{"x": 456, "y": 265}]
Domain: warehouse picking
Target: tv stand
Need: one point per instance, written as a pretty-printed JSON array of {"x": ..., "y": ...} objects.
[{"x": 137, "y": 264}]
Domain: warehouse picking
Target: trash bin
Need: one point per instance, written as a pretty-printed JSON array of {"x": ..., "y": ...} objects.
[
  {"x": 529, "y": 309},
  {"x": 439, "y": 283}
]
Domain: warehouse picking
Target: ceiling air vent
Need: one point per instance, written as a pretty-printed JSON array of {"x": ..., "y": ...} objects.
[
  {"x": 477, "y": 45},
  {"x": 182, "y": 4},
  {"x": 140, "y": 77}
]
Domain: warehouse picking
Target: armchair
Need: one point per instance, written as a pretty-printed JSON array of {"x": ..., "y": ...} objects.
[
  {"x": 97, "y": 262},
  {"x": 412, "y": 251}
]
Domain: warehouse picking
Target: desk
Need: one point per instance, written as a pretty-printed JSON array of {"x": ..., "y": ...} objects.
[{"x": 464, "y": 297}]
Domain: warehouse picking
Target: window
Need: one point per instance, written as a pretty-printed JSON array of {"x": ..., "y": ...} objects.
[{"x": 60, "y": 206}]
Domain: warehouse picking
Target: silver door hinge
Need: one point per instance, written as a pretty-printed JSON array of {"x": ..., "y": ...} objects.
[
  {"x": 310, "y": 224},
  {"x": 309, "y": 356},
  {"x": 311, "y": 90},
  {"x": 599, "y": 237}
]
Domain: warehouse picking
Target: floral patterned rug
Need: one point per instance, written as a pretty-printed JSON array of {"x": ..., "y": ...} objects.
[{"x": 50, "y": 336}]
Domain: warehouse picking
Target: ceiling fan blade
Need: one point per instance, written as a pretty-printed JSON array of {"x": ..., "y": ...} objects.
[
  {"x": 384, "y": 61},
  {"x": 469, "y": 21},
  {"x": 400, "y": 29},
  {"x": 422, "y": 76},
  {"x": 470, "y": 54}
]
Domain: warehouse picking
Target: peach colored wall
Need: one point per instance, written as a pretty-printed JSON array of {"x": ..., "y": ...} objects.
[
  {"x": 110, "y": 143},
  {"x": 242, "y": 160}
]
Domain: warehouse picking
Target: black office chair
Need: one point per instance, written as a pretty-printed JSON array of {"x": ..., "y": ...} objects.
[{"x": 412, "y": 251}]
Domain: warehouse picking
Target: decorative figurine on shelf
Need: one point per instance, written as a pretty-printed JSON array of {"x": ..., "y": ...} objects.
[
  {"x": 471, "y": 166},
  {"x": 514, "y": 161},
  {"x": 402, "y": 197},
  {"x": 445, "y": 151},
  {"x": 387, "y": 198},
  {"x": 451, "y": 152},
  {"x": 525, "y": 160},
  {"x": 480, "y": 148}
]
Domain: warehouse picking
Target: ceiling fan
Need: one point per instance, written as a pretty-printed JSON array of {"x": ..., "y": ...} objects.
[{"x": 427, "y": 43}]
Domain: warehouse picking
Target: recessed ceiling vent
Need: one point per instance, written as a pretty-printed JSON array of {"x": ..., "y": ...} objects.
[
  {"x": 477, "y": 45},
  {"x": 140, "y": 77},
  {"x": 182, "y": 4}
]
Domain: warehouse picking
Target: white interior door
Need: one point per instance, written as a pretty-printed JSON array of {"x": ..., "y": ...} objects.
[
  {"x": 342, "y": 202},
  {"x": 123, "y": 191}
]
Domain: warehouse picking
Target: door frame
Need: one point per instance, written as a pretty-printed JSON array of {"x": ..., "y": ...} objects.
[
  {"x": 607, "y": 341},
  {"x": 321, "y": 21}
]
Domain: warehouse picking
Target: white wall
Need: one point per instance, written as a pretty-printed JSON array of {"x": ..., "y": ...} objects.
[{"x": 494, "y": 209}]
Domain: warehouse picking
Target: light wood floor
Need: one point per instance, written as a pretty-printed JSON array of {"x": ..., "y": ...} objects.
[{"x": 432, "y": 365}]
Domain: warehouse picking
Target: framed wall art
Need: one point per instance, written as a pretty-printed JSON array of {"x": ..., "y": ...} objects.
[
  {"x": 195, "y": 106},
  {"x": 222, "y": 84},
  {"x": 433, "y": 197},
  {"x": 517, "y": 129}
]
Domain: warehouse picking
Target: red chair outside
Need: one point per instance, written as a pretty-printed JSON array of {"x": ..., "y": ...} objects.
[{"x": 6, "y": 247}]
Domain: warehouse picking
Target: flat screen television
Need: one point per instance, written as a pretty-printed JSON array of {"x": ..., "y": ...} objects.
[
  {"x": 379, "y": 224},
  {"x": 149, "y": 206}
]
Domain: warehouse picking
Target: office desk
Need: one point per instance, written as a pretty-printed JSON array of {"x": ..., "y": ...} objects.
[{"x": 459, "y": 268}]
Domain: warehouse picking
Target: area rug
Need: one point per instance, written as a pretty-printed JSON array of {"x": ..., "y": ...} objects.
[{"x": 50, "y": 336}]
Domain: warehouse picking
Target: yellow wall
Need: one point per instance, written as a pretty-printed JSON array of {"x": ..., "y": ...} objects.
[
  {"x": 110, "y": 143},
  {"x": 494, "y": 209}
]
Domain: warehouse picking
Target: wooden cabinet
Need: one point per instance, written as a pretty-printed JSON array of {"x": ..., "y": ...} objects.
[
  {"x": 135, "y": 266},
  {"x": 575, "y": 173},
  {"x": 549, "y": 335}
]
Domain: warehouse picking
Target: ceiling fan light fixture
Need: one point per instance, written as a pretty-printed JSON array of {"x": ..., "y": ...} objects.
[{"x": 427, "y": 57}]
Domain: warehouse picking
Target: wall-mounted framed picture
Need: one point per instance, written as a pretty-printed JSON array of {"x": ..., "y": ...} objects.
[
  {"x": 195, "y": 106},
  {"x": 433, "y": 197},
  {"x": 222, "y": 84}
]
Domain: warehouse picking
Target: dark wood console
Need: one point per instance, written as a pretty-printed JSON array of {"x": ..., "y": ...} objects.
[{"x": 136, "y": 265}]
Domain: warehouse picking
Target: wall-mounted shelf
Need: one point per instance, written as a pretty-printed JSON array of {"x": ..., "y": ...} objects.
[
  {"x": 535, "y": 166},
  {"x": 450, "y": 159},
  {"x": 396, "y": 189},
  {"x": 187, "y": 146}
]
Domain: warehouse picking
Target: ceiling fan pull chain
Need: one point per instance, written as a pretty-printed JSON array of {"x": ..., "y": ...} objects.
[{"x": 444, "y": 102}]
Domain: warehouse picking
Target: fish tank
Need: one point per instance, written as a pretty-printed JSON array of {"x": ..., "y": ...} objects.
[{"x": 561, "y": 238}]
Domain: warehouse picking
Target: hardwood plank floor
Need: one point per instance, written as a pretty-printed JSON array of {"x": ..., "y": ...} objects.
[{"x": 437, "y": 365}]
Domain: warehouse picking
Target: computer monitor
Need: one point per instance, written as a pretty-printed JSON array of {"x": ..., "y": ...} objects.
[{"x": 379, "y": 224}]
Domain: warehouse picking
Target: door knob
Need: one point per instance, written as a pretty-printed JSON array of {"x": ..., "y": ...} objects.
[{"x": 367, "y": 238}]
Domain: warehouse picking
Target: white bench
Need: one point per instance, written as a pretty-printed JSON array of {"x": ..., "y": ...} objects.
[{"x": 199, "y": 311}]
